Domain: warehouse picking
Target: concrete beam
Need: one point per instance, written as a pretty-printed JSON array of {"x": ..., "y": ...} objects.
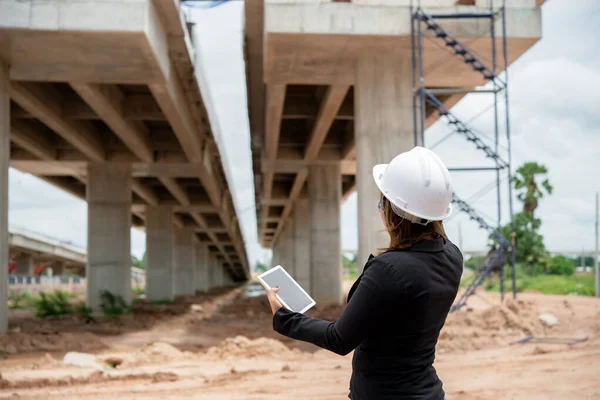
[
  {"x": 48, "y": 167},
  {"x": 329, "y": 108},
  {"x": 25, "y": 136},
  {"x": 144, "y": 192},
  {"x": 294, "y": 193},
  {"x": 176, "y": 190},
  {"x": 136, "y": 107},
  {"x": 107, "y": 101},
  {"x": 44, "y": 107},
  {"x": 4, "y": 162},
  {"x": 135, "y": 51},
  {"x": 275, "y": 101},
  {"x": 40, "y": 104},
  {"x": 171, "y": 99},
  {"x": 288, "y": 166}
]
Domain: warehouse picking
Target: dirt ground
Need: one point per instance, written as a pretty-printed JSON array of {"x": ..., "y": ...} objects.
[{"x": 221, "y": 346}]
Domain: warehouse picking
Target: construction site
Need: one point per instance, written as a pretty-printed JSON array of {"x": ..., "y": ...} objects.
[{"x": 115, "y": 103}]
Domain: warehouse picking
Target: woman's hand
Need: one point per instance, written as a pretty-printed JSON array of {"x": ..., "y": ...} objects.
[{"x": 273, "y": 302}]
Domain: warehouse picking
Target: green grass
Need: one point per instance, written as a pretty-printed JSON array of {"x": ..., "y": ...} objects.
[
  {"x": 549, "y": 284},
  {"x": 138, "y": 290},
  {"x": 351, "y": 276},
  {"x": 22, "y": 300}
]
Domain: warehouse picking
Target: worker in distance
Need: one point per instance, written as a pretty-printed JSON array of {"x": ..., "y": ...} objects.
[{"x": 399, "y": 304}]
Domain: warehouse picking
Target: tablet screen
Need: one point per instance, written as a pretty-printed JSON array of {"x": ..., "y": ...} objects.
[{"x": 290, "y": 291}]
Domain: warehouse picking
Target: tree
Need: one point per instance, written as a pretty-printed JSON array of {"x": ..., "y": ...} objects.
[
  {"x": 561, "y": 265},
  {"x": 529, "y": 245},
  {"x": 260, "y": 267},
  {"x": 139, "y": 262},
  {"x": 529, "y": 190}
]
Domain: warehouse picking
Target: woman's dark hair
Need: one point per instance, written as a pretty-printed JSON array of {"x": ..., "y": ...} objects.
[{"x": 404, "y": 233}]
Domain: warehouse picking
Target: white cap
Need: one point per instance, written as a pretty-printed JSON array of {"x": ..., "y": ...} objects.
[{"x": 418, "y": 183}]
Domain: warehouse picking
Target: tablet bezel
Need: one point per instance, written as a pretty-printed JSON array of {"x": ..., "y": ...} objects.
[{"x": 266, "y": 285}]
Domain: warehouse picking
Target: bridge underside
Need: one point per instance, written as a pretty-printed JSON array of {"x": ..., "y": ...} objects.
[
  {"x": 330, "y": 89},
  {"x": 101, "y": 99}
]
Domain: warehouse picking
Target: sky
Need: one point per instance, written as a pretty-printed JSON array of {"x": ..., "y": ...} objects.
[{"x": 554, "y": 115}]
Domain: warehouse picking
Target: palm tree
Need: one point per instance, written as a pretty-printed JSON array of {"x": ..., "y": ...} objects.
[
  {"x": 526, "y": 180},
  {"x": 526, "y": 177}
]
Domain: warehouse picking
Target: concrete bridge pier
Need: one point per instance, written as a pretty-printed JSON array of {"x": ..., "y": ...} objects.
[
  {"x": 383, "y": 107},
  {"x": 24, "y": 264},
  {"x": 4, "y": 162},
  {"x": 301, "y": 243},
  {"x": 324, "y": 196},
  {"x": 184, "y": 265},
  {"x": 201, "y": 265},
  {"x": 109, "y": 223},
  {"x": 159, "y": 253}
]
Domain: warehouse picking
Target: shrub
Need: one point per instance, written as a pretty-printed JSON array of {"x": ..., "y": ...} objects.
[
  {"x": 560, "y": 265},
  {"x": 53, "y": 304},
  {"x": 112, "y": 305},
  {"x": 85, "y": 312},
  {"x": 21, "y": 300},
  {"x": 138, "y": 290}
]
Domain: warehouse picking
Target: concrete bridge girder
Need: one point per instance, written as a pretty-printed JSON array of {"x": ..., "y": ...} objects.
[{"x": 92, "y": 90}]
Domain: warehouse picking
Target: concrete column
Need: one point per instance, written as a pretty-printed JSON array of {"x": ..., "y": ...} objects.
[
  {"x": 4, "y": 162},
  {"x": 24, "y": 264},
  {"x": 302, "y": 243},
  {"x": 275, "y": 258},
  {"x": 159, "y": 253},
  {"x": 383, "y": 108},
  {"x": 109, "y": 223},
  {"x": 324, "y": 192},
  {"x": 58, "y": 268},
  {"x": 287, "y": 247},
  {"x": 201, "y": 278},
  {"x": 213, "y": 271},
  {"x": 220, "y": 275},
  {"x": 184, "y": 262}
]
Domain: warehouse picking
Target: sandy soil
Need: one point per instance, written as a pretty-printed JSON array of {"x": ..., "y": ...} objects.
[{"x": 221, "y": 346}]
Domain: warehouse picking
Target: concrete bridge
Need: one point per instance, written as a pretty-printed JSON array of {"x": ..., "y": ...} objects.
[
  {"x": 28, "y": 248},
  {"x": 104, "y": 99},
  {"x": 330, "y": 94}
]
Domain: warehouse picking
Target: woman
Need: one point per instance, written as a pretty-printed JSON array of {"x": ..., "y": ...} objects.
[{"x": 399, "y": 304}]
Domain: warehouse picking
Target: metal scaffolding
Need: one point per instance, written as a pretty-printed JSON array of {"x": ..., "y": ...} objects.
[{"x": 425, "y": 97}]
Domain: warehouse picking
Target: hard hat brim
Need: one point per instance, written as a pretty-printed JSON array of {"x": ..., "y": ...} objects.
[{"x": 378, "y": 171}]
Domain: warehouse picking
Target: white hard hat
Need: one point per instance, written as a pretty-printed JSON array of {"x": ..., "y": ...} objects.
[{"x": 416, "y": 183}]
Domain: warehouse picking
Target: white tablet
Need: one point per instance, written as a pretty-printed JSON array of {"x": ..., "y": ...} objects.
[{"x": 291, "y": 295}]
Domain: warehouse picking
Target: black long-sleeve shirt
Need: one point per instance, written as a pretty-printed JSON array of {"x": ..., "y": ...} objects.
[{"x": 392, "y": 321}]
